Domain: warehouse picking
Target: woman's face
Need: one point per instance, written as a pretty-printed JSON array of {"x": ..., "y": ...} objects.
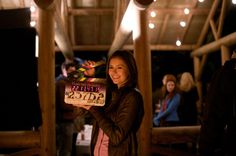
[
  {"x": 118, "y": 71},
  {"x": 170, "y": 86}
]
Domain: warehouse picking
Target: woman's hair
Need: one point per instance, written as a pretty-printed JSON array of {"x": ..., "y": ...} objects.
[
  {"x": 129, "y": 60},
  {"x": 169, "y": 77},
  {"x": 165, "y": 78},
  {"x": 186, "y": 82}
]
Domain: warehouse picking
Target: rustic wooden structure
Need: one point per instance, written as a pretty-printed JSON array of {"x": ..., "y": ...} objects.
[
  {"x": 168, "y": 136},
  {"x": 43, "y": 142}
]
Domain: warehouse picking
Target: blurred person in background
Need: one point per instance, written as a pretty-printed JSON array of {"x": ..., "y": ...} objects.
[
  {"x": 168, "y": 115},
  {"x": 218, "y": 129},
  {"x": 189, "y": 96}
]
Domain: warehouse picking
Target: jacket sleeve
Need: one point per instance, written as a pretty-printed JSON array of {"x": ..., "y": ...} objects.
[{"x": 172, "y": 106}]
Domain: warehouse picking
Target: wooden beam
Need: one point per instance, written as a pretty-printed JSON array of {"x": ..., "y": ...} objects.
[
  {"x": 163, "y": 47},
  {"x": 19, "y": 139},
  {"x": 27, "y": 152},
  {"x": 179, "y": 11},
  {"x": 228, "y": 41},
  {"x": 168, "y": 151},
  {"x": 90, "y": 11},
  {"x": 71, "y": 25},
  {"x": 187, "y": 27},
  {"x": 206, "y": 25},
  {"x": 222, "y": 17},
  {"x": 158, "y": 47},
  {"x": 61, "y": 36},
  {"x": 225, "y": 54},
  {"x": 107, "y": 11},
  {"x": 120, "y": 7},
  {"x": 163, "y": 27},
  {"x": 179, "y": 134},
  {"x": 46, "y": 79},
  {"x": 124, "y": 31}
]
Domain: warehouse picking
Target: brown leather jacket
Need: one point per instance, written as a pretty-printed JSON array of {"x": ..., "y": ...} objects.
[{"x": 120, "y": 121}]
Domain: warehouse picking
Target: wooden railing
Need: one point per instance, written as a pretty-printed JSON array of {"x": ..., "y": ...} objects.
[
  {"x": 27, "y": 143},
  {"x": 168, "y": 136}
]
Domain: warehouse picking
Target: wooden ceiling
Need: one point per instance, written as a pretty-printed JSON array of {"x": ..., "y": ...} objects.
[{"x": 91, "y": 25}]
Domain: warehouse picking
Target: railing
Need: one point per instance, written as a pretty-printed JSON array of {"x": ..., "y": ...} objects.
[{"x": 168, "y": 136}]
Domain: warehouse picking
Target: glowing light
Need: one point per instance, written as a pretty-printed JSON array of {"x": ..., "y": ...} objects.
[
  {"x": 182, "y": 23},
  {"x": 200, "y": 1},
  {"x": 151, "y": 25},
  {"x": 33, "y": 23},
  {"x": 186, "y": 11},
  {"x": 32, "y": 8},
  {"x": 234, "y": 1},
  {"x": 36, "y": 46},
  {"x": 178, "y": 43},
  {"x": 153, "y": 14}
]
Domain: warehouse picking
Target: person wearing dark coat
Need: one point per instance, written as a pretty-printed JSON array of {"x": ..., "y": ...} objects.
[
  {"x": 116, "y": 125},
  {"x": 187, "y": 109},
  {"x": 218, "y": 129},
  {"x": 66, "y": 114}
]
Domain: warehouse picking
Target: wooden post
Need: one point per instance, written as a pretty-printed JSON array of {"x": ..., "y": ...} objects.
[
  {"x": 142, "y": 55},
  {"x": 225, "y": 54},
  {"x": 46, "y": 78}
]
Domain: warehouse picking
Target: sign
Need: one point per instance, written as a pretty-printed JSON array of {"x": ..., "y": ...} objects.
[{"x": 86, "y": 91}]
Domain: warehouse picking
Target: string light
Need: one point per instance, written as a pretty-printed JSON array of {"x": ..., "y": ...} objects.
[
  {"x": 186, "y": 11},
  {"x": 32, "y": 23},
  {"x": 153, "y": 14},
  {"x": 182, "y": 23},
  {"x": 178, "y": 42},
  {"x": 151, "y": 25},
  {"x": 32, "y": 8}
]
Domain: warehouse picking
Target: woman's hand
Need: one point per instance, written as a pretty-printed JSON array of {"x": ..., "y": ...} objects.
[{"x": 87, "y": 107}]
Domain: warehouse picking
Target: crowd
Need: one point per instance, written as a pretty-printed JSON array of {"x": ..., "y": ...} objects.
[{"x": 176, "y": 102}]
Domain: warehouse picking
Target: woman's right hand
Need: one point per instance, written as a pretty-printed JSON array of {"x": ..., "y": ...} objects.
[{"x": 87, "y": 107}]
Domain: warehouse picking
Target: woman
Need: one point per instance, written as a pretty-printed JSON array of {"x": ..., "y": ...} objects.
[
  {"x": 116, "y": 125},
  {"x": 189, "y": 96},
  {"x": 168, "y": 115}
]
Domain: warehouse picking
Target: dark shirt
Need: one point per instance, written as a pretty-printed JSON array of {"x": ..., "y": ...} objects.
[{"x": 187, "y": 110}]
